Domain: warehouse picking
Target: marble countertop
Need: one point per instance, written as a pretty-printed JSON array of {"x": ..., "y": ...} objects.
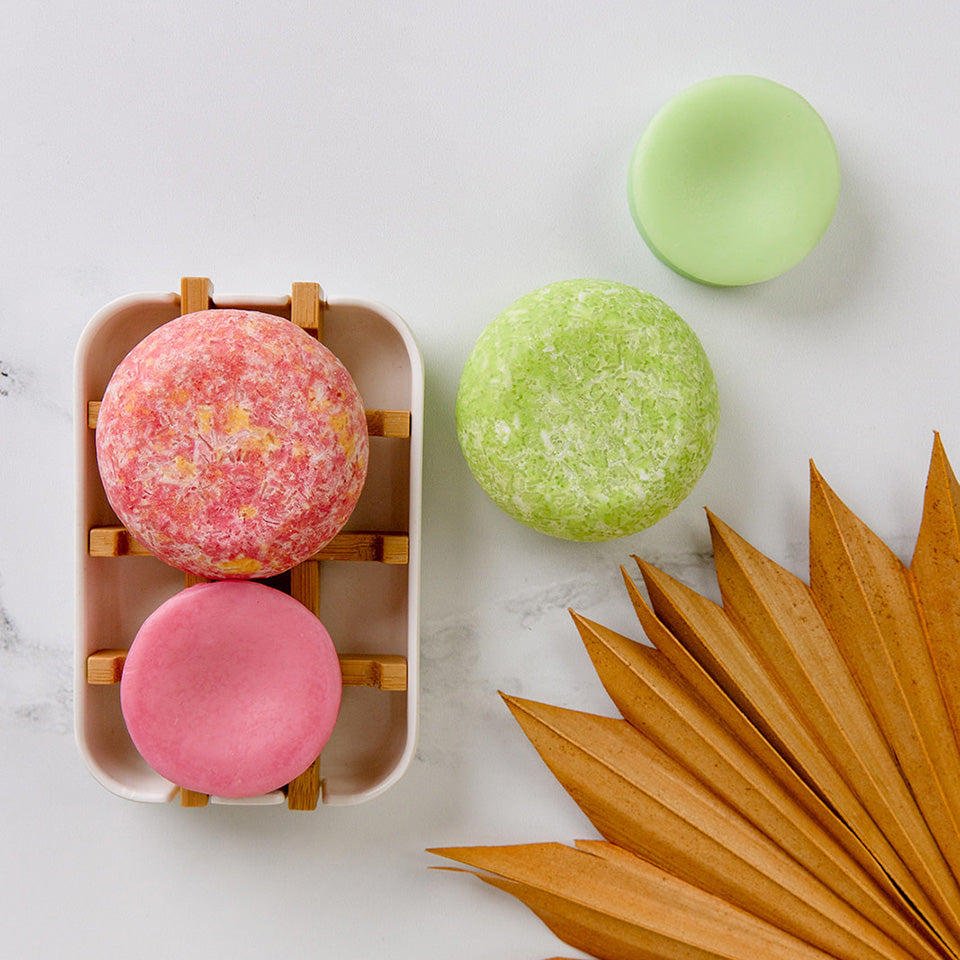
[{"x": 442, "y": 159}]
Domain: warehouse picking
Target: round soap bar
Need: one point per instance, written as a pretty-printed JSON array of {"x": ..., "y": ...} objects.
[
  {"x": 232, "y": 444},
  {"x": 231, "y": 688},
  {"x": 734, "y": 181},
  {"x": 587, "y": 410}
]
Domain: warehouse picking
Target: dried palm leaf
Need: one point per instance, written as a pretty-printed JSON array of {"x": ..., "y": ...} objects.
[
  {"x": 640, "y": 799},
  {"x": 873, "y": 809},
  {"x": 790, "y": 757},
  {"x": 654, "y": 699},
  {"x": 620, "y": 907},
  {"x": 777, "y": 616}
]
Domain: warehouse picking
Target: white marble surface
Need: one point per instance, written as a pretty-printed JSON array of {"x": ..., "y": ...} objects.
[{"x": 444, "y": 159}]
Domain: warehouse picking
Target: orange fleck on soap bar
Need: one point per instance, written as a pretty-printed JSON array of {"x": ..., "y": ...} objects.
[{"x": 232, "y": 443}]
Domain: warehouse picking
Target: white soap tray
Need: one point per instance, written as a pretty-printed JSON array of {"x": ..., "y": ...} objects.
[{"x": 364, "y": 585}]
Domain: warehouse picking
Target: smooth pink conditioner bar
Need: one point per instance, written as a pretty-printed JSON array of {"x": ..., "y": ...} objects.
[{"x": 231, "y": 689}]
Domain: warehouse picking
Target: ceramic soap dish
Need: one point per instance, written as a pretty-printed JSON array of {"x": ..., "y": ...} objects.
[{"x": 364, "y": 584}]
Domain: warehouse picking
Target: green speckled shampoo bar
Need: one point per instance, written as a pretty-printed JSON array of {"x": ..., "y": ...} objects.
[{"x": 587, "y": 410}]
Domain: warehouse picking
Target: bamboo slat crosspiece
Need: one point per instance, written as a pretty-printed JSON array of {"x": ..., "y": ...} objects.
[
  {"x": 384, "y": 671},
  {"x": 387, "y": 672},
  {"x": 391, "y": 548},
  {"x": 784, "y": 778},
  {"x": 393, "y": 424}
]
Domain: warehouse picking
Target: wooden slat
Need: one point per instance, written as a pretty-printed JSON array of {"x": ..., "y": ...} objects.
[
  {"x": 191, "y": 798},
  {"x": 306, "y": 307},
  {"x": 195, "y": 294},
  {"x": 303, "y": 792},
  {"x": 394, "y": 424},
  {"x": 116, "y": 541},
  {"x": 379, "y": 547},
  {"x": 385, "y": 671},
  {"x": 105, "y": 666},
  {"x": 388, "y": 423},
  {"x": 305, "y": 585}
]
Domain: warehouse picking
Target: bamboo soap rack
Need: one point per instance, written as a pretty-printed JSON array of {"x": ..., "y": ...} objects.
[{"x": 369, "y": 571}]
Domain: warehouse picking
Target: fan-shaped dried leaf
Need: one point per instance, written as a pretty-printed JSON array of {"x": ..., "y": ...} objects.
[
  {"x": 876, "y": 849},
  {"x": 639, "y": 798},
  {"x": 707, "y": 634},
  {"x": 790, "y": 758},
  {"x": 777, "y": 616},
  {"x": 656, "y": 701}
]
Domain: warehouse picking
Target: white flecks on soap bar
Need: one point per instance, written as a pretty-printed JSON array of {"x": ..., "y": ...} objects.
[
  {"x": 232, "y": 443},
  {"x": 587, "y": 410}
]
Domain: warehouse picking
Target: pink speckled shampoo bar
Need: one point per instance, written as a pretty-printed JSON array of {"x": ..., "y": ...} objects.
[
  {"x": 231, "y": 689},
  {"x": 232, "y": 444}
]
